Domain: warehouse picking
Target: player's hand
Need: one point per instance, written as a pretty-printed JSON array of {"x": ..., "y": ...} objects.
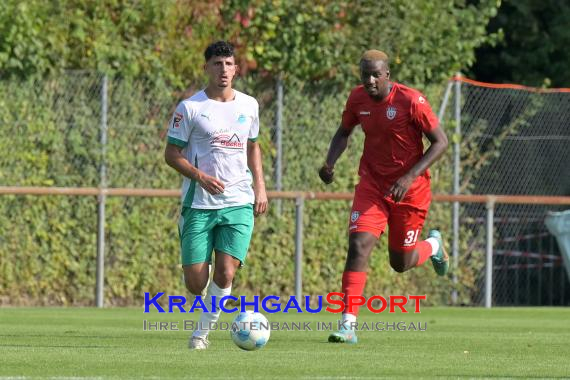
[
  {"x": 212, "y": 185},
  {"x": 327, "y": 174},
  {"x": 261, "y": 203},
  {"x": 399, "y": 189}
]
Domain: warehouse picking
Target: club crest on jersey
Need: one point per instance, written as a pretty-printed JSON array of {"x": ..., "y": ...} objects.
[
  {"x": 354, "y": 216},
  {"x": 241, "y": 118},
  {"x": 391, "y": 113}
]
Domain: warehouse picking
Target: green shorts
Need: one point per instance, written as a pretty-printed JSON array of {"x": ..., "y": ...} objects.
[{"x": 226, "y": 230}]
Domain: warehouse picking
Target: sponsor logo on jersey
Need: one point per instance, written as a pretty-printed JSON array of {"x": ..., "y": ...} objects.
[
  {"x": 364, "y": 113},
  {"x": 391, "y": 113},
  {"x": 227, "y": 142},
  {"x": 205, "y": 116},
  {"x": 176, "y": 120},
  {"x": 421, "y": 99}
]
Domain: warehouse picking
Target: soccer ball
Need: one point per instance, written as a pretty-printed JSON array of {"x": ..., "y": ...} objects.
[{"x": 250, "y": 330}]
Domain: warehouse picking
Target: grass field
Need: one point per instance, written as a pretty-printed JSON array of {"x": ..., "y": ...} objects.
[{"x": 458, "y": 342}]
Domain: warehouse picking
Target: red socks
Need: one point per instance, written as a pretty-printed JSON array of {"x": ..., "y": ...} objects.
[
  {"x": 353, "y": 285},
  {"x": 353, "y": 282},
  {"x": 424, "y": 250}
]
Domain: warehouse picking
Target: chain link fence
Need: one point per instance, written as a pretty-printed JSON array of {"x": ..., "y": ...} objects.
[
  {"x": 52, "y": 131},
  {"x": 513, "y": 143}
]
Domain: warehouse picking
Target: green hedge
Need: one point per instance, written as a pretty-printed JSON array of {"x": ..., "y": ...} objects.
[{"x": 48, "y": 244}]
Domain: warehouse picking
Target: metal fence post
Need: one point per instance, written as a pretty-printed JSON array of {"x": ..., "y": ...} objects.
[
  {"x": 489, "y": 254},
  {"x": 441, "y": 116},
  {"x": 456, "y": 172},
  {"x": 279, "y": 141},
  {"x": 443, "y": 105},
  {"x": 101, "y": 200},
  {"x": 299, "y": 203}
]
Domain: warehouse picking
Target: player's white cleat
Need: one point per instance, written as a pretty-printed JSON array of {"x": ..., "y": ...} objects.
[
  {"x": 344, "y": 335},
  {"x": 198, "y": 343},
  {"x": 440, "y": 260}
]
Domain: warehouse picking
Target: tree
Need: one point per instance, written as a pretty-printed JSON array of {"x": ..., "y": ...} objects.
[
  {"x": 533, "y": 51},
  {"x": 428, "y": 40},
  {"x": 144, "y": 39}
]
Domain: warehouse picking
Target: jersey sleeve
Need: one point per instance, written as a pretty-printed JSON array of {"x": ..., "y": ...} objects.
[
  {"x": 180, "y": 127},
  {"x": 349, "y": 115},
  {"x": 254, "y": 129},
  {"x": 422, "y": 114}
]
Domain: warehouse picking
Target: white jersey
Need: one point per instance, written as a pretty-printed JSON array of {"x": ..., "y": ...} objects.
[{"x": 214, "y": 138}]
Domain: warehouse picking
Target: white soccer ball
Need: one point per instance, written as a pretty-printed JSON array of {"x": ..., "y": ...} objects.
[{"x": 250, "y": 330}]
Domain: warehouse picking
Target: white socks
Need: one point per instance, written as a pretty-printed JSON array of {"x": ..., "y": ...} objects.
[
  {"x": 211, "y": 317},
  {"x": 434, "y": 245},
  {"x": 347, "y": 319}
]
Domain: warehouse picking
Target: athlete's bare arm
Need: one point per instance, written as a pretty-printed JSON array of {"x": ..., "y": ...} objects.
[
  {"x": 254, "y": 164},
  {"x": 438, "y": 144},
  {"x": 336, "y": 148},
  {"x": 175, "y": 159}
]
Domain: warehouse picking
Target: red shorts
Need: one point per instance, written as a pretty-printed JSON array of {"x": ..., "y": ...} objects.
[{"x": 371, "y": 211}]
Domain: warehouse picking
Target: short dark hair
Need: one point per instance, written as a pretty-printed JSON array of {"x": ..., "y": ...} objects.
[{"x": 219, "y": 49}]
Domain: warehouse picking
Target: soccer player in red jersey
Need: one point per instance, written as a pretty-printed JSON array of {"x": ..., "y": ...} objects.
[{"x": 394, "y": 187}]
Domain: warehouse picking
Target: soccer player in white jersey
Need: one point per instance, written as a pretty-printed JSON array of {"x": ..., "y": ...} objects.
[{"x": 212, "y": 143}]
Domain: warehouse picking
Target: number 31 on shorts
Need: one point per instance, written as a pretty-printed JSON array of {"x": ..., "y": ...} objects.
[{"x": 411, "y": 237}]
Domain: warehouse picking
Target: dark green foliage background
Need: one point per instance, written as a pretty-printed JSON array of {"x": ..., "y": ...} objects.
[
  {"x": 50, "y": 121},
  {"x": 48, "y": 243}
]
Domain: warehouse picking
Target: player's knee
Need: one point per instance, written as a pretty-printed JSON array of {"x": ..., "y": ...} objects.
[
  {"x": 195, "y": 287},
  {"x": 195, "y": 290},
  {"x": 224, "y": 276},
  {"x": 358, "y": 248},
  {"x": 400, "y": 261},
  {"x": 398, "y": 266}
]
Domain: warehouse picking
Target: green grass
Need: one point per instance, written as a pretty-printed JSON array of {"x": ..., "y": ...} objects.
[{"x": 459, "y": 342}]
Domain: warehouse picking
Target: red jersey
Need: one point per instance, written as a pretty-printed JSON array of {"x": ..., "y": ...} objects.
[{"x": 393, "y": 129}]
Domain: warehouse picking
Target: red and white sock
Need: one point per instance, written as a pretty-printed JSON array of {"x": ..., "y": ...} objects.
[
  {"x": 426, "y": 249},
  {"x": 353, "y": 285}
]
